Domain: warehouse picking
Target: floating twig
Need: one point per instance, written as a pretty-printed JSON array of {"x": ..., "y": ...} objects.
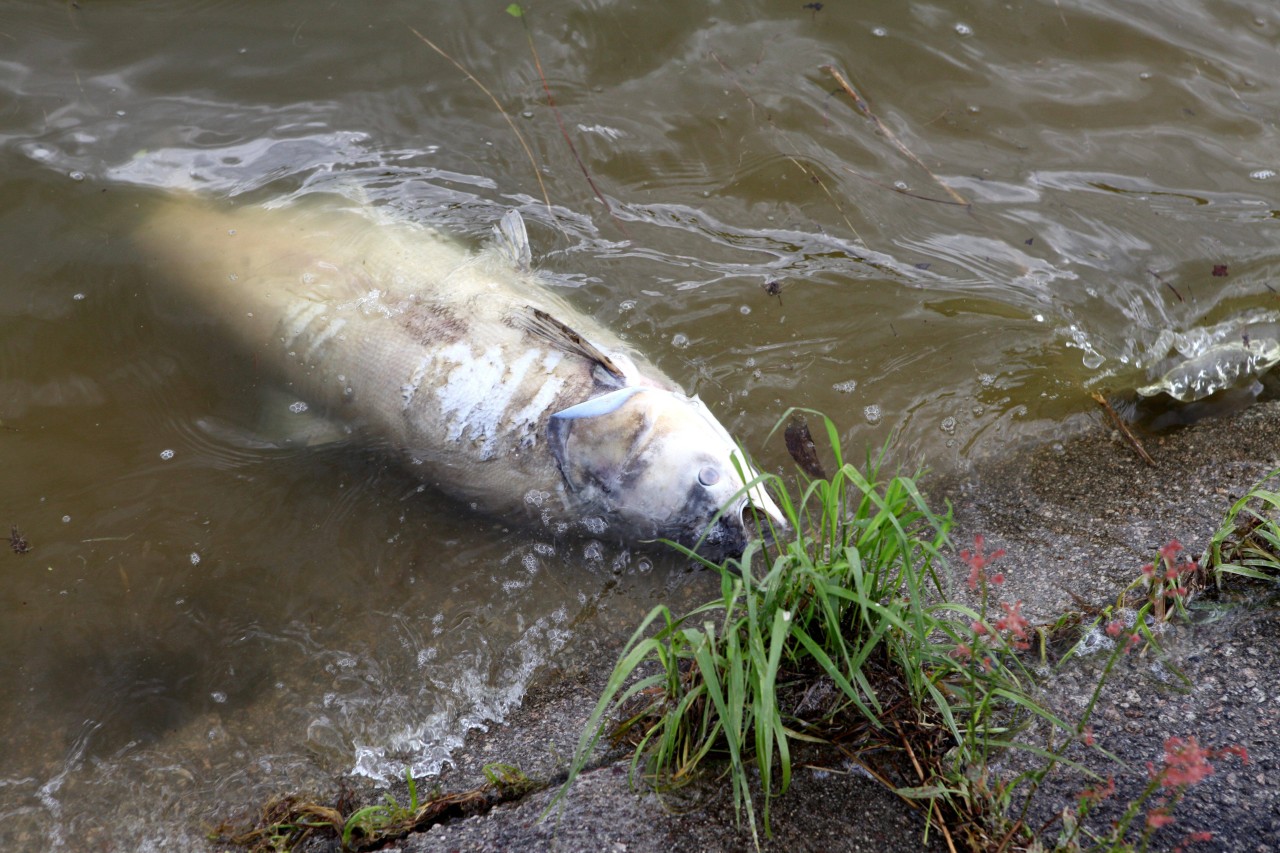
[
  {"x": 537, "y": 173},
  {"x": 1124, "y": 428},
  {"x": 901, "y": 191},
  {"x": 517, "y": 12},
  {"x": 795, "y": 154},
  {"x": 1161, "y": 279},
  {"x": 889, "y": 134}
]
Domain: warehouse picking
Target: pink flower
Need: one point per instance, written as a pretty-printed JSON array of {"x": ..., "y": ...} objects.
[
  {"x": 1159, "y": 817},
  {"x": 978, "y": 561},
  {"x": 1114, "y": 628},
  {"x": 1185, "y": 762},
  {"x": 1015, "y": 624},
  {"x": 1169, "y": 552},
  {"x": 962, "y": 653},
  {"x": 1087, "y": 736},
  {"x": 1099, "y": 792},
  {"x": 1193, "y": 838},
  {"x": 1149, "y": 570}
]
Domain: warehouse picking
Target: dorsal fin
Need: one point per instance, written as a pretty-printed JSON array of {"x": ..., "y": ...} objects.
[
  {"x": 540, "y": 323},
  {"x": 511, "y": 241}
]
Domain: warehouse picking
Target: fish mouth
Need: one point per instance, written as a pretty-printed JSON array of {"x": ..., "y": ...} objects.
[
  {"x": 755, "y": 521},
  {"x": 761, "y": 522}
]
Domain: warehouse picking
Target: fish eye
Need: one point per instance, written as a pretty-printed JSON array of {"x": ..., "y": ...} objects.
[{"x": 709, "y": 476}]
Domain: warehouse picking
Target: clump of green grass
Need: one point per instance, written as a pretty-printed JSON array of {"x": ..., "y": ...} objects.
[
  {"x": 1247, "y": 543},
  {"x": 852, "y": 595}
]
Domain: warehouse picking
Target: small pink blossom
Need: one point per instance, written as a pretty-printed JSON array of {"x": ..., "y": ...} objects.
[
  {"x": 1185, "y": 762},
  {"x": 1099, "y": 792},
  {"x": 1114, "y": 628},
  {"x": 1087, "y": 736},
  {"x": 962, "y": 653},
  {"x": 1015, "y": 623},
  {"x": 1169, "y": 552},
  {"x": 978, "y": 561},
  {"x": 1149, "y": 570},
  {"x": 1193, "y": 838},
  {"x": 1159, "y": 817}
]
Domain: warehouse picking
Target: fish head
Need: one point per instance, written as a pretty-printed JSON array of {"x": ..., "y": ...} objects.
[{"x": 654, "y": 463}]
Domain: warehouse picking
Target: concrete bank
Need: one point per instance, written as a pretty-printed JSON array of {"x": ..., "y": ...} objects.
[{"x": 1077, "y": 520}]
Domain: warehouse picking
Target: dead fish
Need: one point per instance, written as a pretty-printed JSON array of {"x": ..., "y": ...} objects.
[{"x": 488, "y": 385}]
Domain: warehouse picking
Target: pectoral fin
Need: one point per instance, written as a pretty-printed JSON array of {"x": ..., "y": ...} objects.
[{"x": 540, "y": 323}]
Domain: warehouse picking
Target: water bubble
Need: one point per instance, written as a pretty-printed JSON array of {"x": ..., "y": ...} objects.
[
  {"x": 979, "y": 410},
  {"x": 298, "y": 407},
  {"x": 948, "y": 425},
  {"x": 195, "y": 558},
  {"x": 879, "y": 32},
  {"x": 873, "y": 414},
  {"x": 595, "y": 525},
  {"x": 1145, "y": 75},
  {"x": 846, "y": 387},
  {"x": 76, "y": 176},
  {"x": 644, "y": 565},
  {"x": 1262, "y": 174},
  {"x": 533, "y": 497},
  {"x": 964, "y": 30},
  {"x": 166, "y": 454},
  {"x": 530, "y": 563},
  {"x": 66, "y": 519},
  {"x": 751, "y": 361},
  {"x": 78, "y": 297},
  {"x": 680, "y": 340},
  {"x": 626, "y": 305},
  {"x": 1039, "y": 318},
  {"x": 745, "y": 309},
  {"x": 218, "y": 696}
]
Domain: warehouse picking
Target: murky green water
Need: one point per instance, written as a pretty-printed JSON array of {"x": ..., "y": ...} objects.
[{"x": 203, "y": 619}]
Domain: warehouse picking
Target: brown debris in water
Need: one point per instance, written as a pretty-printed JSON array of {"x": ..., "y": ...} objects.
[
  {"x": 18, "y": 542},
  {"x": 802, "y": 449}
]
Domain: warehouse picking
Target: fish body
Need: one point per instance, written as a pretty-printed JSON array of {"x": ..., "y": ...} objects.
[{"x": 487, "y": 384}]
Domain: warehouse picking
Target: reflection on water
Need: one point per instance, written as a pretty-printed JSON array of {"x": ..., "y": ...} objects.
[{"x": 212, "y": 610}]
